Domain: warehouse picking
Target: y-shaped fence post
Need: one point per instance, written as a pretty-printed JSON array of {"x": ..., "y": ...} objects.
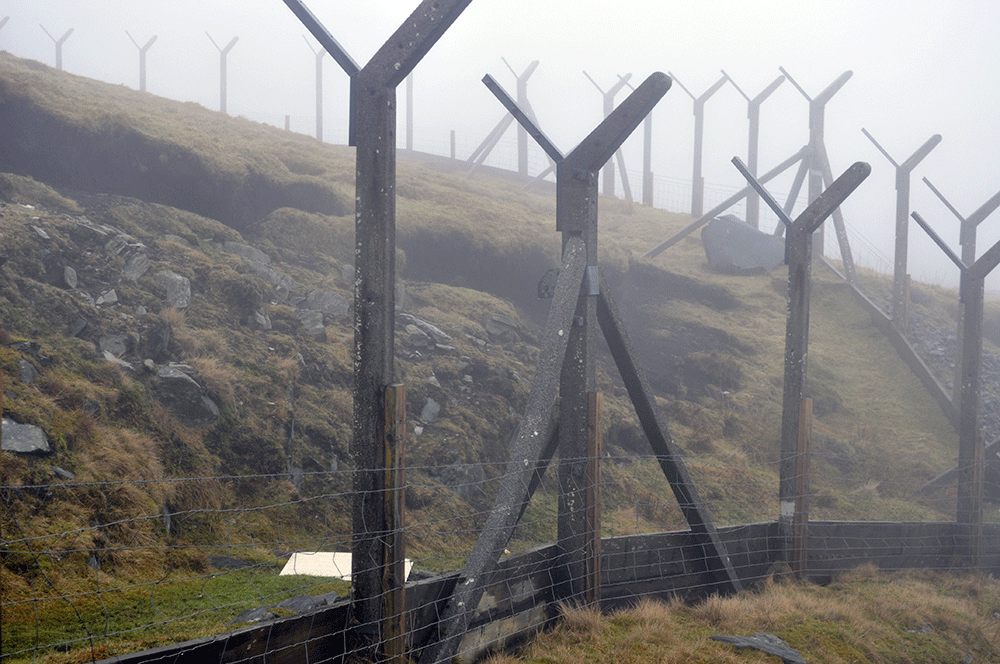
[
  {"x": 373, "y": 132},
  {"x": 798, "y": 255},
  {"x": 966, "y": 238},
  {"x": 753, "y": 114},
  {"x": 817, "y": 125},
  {"x": 58, "y": 42},
  {"x": 969, "y": 512},
  {"x": 223, "y": 52},
  {"x": 567, "y": 360},
  {"x": 319, "y": 87},
  {"x": 480, "y": 154},
  {"x": 142, "y": 59},
  {"x": 900, "y": 301},
  {"x": 609, "y": 103},
  {"x": 697, "y": 181}
]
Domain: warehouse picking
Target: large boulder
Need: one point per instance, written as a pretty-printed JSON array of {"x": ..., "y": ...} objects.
[
  {"x": 183, "y": 396},
  {"x": 734, "y": 247}
]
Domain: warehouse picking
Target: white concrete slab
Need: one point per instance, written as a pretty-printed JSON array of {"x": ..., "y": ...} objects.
[{"x": 332, "y": 564}]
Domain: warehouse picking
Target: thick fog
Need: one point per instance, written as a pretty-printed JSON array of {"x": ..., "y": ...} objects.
[{"x": 920, "y": 67}]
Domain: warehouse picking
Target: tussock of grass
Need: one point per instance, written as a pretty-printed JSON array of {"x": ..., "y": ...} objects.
[{"x": 865, "y": 615}]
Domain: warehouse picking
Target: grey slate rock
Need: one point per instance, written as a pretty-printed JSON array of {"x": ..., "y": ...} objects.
[
  {"x": 245, "y": 251},
  {"x": 330, "y": 303},
  {"x": 116, "y": 344},
  {"x": 178, "y": 288},
  {"x": 259, "y": 320},
  {"x": 734, "y": 247},
  {"x": 313, "y": 322},
  {"x": 430, "y": 410},
  {"x": 27, "y": 371},
  {"x": 23, "y": 438},
  {"x": 768, "y": 643},
  {"x": 253, "y": 615},
  {"x": 108, "y": 297},
  {"x": 302, "y": 603},
  {"x": 77, "y": 327},
  {"x": 183, "y": 396},
  {"x": 136, "y": 266},
  {"x": 178, "y": 239},
  {"x": 227, "y": 562},
  {"x": 69, "y": 277},
  {"x": 62, "y": 473}
]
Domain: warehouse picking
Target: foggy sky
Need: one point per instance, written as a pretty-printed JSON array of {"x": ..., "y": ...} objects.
[{"x": 920, "y": 67}]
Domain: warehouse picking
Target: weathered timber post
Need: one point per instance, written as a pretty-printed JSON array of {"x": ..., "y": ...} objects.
[
  {"x": 753, "y": 115},
  {"x": 223, "y": 52},
  {"x": 567, "y": 360},
  {"x": 373, "y": 132},
  {"x": 967, "y": 239},
  {"x": 800, "y": 522},
  {"x": 394, "y": 628},
  {"x": 900, "y": 300},
  {"x": 608, "y": 100},
  {"x": 59, "y": 44},
  {"x": 697, "y": 181},
  {"x": 817, "y": 124},
  {"x": 409, "y": 111},
  {"x": 142, "y": 59},
  {"x": 969, "y": 513},
  {"x": 798, "y": 255},
  {"x": 319, "y": 87}
]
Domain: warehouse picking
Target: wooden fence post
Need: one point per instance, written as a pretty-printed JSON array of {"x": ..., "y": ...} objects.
[
  {"x": 394, "y": 628},
  {"x": 595, "y": 417},
  {"x": 800, "y": 522}
]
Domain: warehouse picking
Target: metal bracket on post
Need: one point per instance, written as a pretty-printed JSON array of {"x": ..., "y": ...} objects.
[
  {"x": 900, "y": 302},
  {"x": 697, "y": 181},
  {"x": 798, "y": 252},
  {"x": 142, "y": 59},
  {"x": 753, "y": 115},
  {"x": 969, "y": 513}
]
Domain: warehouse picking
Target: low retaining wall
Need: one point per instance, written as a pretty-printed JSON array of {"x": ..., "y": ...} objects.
[{"x": 519, "y": 601}]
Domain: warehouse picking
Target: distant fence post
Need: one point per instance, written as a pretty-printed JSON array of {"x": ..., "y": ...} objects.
[
  {"x": 817, "y": 125},
  {"x": 697, "y": 181},
  {"x": 900, "y": 279},
  {"x": 223, "y": 52},
  {"x": 753, "y": 143},
  {"x": 966, "y": 238},
  {"x": 59, "y": 44},
  {"x": 142, "y": 59}
]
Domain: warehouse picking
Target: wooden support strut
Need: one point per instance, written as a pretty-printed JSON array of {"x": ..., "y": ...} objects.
[
  {"x": 394, "y": 625},
  {"x": 667, "y": 454},
  {"x": 800, "y": 523}
]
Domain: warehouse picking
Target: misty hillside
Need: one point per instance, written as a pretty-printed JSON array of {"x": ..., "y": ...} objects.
[{"x": 175, "y": 302}]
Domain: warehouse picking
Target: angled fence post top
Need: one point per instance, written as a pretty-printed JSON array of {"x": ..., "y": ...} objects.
[
  {"x": 593, "y": 151},
  {"x": 764, "y": 94},
  {"x": 142, "y": 49},
  {"x": 914, "y": 159},
  {"x": 969, "y": 223},
  {"x": 397, "y": 57},
  {"x": 700, "y": 100},
  {"x": 223, "y": 50},
  {"x": 826, "y": 94}
]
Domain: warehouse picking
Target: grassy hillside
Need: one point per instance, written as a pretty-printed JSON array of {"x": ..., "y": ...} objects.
[{"x": 187, "y": 188}]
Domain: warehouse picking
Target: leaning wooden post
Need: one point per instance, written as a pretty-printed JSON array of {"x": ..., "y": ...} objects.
[
  {"x": 592, "y": 481},
  {"x": 373, "y": 132},
  {"x": 969, "y": 513},
  {"x": 798, "y": 255}
]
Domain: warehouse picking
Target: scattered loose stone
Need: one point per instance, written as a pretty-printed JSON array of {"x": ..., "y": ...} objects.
[
  {"x": 768, "y": 643},
  {"x": 178, "y": 288},
  {"x": 136, "y": 266},
  {"x": 62, "y": 473},
  {"x": 430, "y": 410},
  {"x": 23, "y": 438},
  {"x": 27, "y": 371}
]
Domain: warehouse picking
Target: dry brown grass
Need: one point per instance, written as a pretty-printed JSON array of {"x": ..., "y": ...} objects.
[{"x": 865, "y": 615}]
